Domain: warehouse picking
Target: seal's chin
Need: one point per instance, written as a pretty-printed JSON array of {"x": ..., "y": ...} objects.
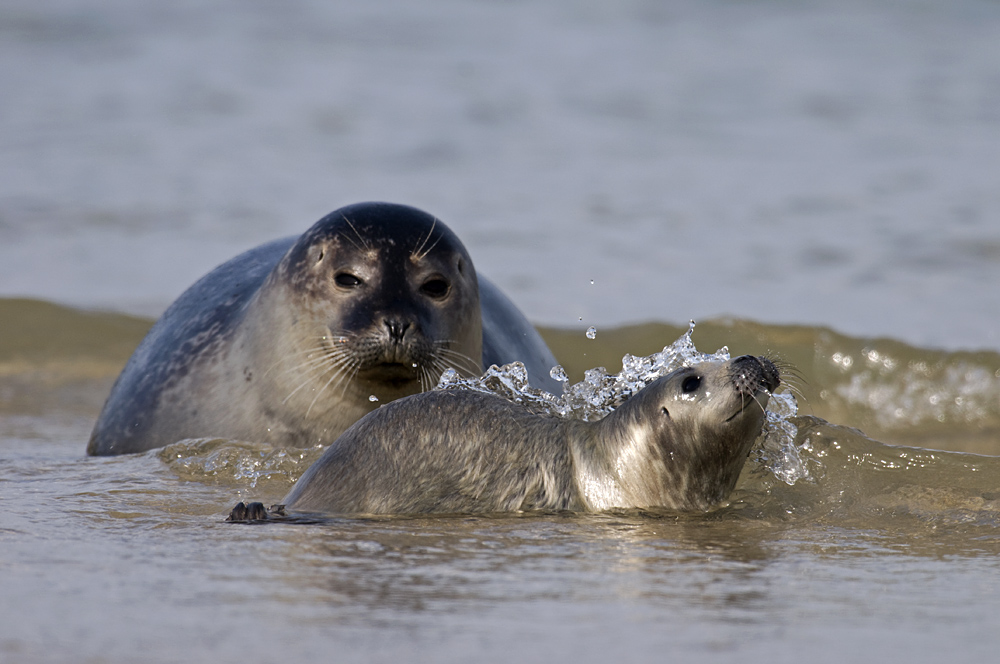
[
  {"x": 753, "y": 401},
  {"x": 396, "y": 374}
]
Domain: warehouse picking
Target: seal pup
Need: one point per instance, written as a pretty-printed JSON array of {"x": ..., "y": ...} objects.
[
  {"x": 292, "y": 342},
  {"x": 679, "y": 443}
]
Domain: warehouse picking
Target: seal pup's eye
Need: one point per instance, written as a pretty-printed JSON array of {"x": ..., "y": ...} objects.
[
  {"x": 435, "y": 288},
  {"x": 346, "y": 280},
  {"x": 690, "y": 384}
]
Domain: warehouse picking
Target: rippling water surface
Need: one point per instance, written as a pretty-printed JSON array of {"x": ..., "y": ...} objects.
[
  {"x": 817, "y": 182},
  {"x": 883, "y": 551}
]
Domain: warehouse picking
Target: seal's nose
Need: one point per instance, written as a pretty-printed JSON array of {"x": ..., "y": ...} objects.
[
  {"x": 753, "y": 373},
  {"x": 772, "y": 377},
  {"x": 397, "y": 329}
]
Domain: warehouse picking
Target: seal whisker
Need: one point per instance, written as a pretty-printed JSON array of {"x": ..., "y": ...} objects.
[
  {"x": 342, "y": 374},
  {"x": 435, "y": 371},
  {"x": 330, "y": 358},
  {"x": 322, "y": 348},
  {"x": 444, "y": 347},
  {"x": 415, "y": 255},
  {"x": 324, "y": 358},
  {"x": 791, "y": 377},
  {"x": 461, "y": 361},
  {"x": 350, "y": 376},
  {"x": 365, "y": 245},
  {"x": 426, "y": 379},
  {"x": 439, "y": 366},
  {"x": 321, "y": 359},
  {"x": 316, "y": 373}
]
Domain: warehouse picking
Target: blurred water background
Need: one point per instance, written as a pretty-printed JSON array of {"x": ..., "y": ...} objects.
[{"x": 816, "y": 180}]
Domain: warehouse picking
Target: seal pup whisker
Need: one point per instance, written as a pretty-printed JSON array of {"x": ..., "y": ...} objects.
[{"x": 791, "y": 377}]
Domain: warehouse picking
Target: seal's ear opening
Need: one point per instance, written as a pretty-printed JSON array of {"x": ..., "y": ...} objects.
[
  {"x": 316, "y": 254},
  {"x": 665, "y": 411}
]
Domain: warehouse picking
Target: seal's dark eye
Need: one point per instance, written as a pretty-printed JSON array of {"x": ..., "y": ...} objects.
[
  {"x": 436, "y": 288},
  {"x": 690, "y": 384},
  {"x": 346, "y": 280}
]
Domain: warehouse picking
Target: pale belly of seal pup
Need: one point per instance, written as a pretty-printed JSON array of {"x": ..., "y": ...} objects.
[
  {"x": 292, "y": 342},
  {"x": 680, "y": 444}
]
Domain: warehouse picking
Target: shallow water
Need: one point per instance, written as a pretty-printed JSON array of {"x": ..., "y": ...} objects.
[
  {"x": 887, "y": 551},
  {"x": 825, "y": 174}
]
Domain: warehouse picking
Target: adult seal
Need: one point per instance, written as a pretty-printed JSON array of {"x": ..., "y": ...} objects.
[
  {"x": 292, "y": 342},
  {"x": 679, "y": 443}
]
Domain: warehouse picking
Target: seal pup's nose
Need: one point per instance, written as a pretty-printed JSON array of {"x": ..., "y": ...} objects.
[{"x": 750, "y": 374}]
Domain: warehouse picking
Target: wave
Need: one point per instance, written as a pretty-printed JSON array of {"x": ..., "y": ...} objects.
[
  {"x": 892, "y": 391},
  {"x": 52, "y": 356},
  {"x": 904, "y": 496}
]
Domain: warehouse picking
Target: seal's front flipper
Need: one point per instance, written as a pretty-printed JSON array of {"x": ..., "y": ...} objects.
[{"x": 244, "y": 512}]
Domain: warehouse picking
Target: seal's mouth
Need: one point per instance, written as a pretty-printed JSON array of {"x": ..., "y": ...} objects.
[
  {"x": 392, "y": 372},
  {"x": 736, "y": 414},
  {"x": 748, "y": 401}
]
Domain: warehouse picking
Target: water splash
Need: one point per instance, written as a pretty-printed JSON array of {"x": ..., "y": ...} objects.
[
  {"x": 559, "y": 374},
  {"x": 600, "y": 393},
  {"x": 226, "y": 460},
  {"x": 776, "y": 449}
]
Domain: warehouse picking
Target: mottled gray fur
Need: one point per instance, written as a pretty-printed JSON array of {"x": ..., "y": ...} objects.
[
  {"x": 270, "y": 347},
  {"x": 680, "y": 443}
]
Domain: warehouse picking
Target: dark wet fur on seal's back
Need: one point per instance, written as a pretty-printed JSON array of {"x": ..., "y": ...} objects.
[
  {"x": 205, "y": 319},
  {"x": 680, "y": 443},
  {"x": 204, "y": 316}
]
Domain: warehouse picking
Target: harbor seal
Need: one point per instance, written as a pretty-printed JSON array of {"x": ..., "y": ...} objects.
[
  {"x": 679, "y": 443},
  {"x": 292, "y": 342}
]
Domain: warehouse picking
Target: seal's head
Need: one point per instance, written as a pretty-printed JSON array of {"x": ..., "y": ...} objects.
[
  {"x": 385, "y": 299},
  {"x": 682, "y": 441}
]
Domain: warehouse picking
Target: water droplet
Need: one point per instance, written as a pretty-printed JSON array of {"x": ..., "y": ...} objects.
[
  {"x": 591, "y": 332},
  {"x": 373, "y": 398},
  {"x": 558, "y": 373},
  {"x": 591, "y": 282}
]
